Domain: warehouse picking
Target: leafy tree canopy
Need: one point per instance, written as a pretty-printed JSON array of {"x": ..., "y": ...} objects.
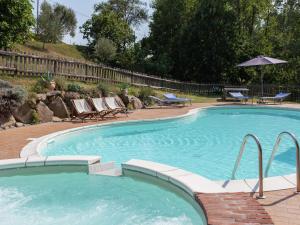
[
  {"x": 16, "y": 20},
  {"x": 204, "y": 40},
  {"x": 113, "y": 20},
  {"x": 55, "y": 22},
  {"x": 107, "y": 25},
  {"x": 105, "y": 50}
]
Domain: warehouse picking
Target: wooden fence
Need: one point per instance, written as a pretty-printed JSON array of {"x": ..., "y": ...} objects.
[{"x": 24, "y": 65}]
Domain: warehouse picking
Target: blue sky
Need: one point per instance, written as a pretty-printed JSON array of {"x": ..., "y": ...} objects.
[{"x": 83, "y": 10}]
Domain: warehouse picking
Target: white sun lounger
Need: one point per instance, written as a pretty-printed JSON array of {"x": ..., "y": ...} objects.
[
  {"x": 112, "y": 104},
  {"x": 83, "y": 109},
  {"x": 101, "y": 107}
]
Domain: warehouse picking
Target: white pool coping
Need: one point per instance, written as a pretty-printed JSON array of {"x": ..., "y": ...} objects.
[
  {"x": 48, "y": 161},
  {"x": 190, "y": 182},
  {"x": 174, "y": 175}
]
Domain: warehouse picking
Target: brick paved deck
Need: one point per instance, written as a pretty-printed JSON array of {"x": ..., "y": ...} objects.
[
  {"x": 233, "y": 209},
  {"x": 283, "y": 206}
]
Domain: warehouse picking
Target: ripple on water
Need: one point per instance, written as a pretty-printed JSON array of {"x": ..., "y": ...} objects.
[{"x": 206, "y": 143}]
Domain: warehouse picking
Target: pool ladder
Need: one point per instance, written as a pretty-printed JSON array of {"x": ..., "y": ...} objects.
[{"x": 260, "y": 159}]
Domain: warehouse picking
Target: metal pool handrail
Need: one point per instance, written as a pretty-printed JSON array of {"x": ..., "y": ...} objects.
[
  {"x": 260, "y": 159},
  {"x": 275, "y": 149}
]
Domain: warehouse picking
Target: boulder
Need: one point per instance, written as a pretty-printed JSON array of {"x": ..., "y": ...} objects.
[
  {"x": 136, "y": 103},
  {"x": 44, "y": 113},
  {"x": 24, "y": 113},
  {"x": 59, "y": 108},
  {"x": 41, "y": 97},
  {"x": 18, "y": 124},
  {"x": 120, "y": 101},
  {"x": 56, "y": 119},
  {"x": 7, "y": 122},
  {"x": 70, "y": 95},
  {"x": 52, "y": 95}
]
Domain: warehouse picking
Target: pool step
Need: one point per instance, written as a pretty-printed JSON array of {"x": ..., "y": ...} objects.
[{"x": 105, "y": 169}]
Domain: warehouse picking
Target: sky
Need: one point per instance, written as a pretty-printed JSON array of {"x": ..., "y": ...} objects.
[{"x": 83, "y": 10}]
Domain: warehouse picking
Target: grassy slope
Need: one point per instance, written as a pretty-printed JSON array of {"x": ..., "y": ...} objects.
[
  {"x": 60, "y": 50},
  {"x": 63, "y": 50},
  {"x": 28, "y": 83}
]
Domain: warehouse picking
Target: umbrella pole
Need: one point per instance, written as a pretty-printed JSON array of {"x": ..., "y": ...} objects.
[{"x": 262, "y": 83}]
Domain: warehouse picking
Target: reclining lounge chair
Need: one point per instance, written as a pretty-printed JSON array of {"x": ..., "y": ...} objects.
[
  {"x": 167, "y": 102},
  {"x": 100, "y": 106},
  {"x": 112, "y": 104},
  {"x": 82, "y": 109},
  {"x": 239, "y": 96},
  {"x": 171, "y": 96},
  {"x": 280, "y": 97}
]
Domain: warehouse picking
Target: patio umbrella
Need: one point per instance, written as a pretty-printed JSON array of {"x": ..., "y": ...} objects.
[{"x": 260, "y": 61}]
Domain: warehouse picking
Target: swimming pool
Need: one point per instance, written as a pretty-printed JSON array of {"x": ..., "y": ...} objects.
[
  {"x": 206, "y": 142},
  {"x": 80, "y": 199}
]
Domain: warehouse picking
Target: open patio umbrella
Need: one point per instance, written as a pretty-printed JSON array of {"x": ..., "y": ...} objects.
[{"x": 260, "y": 61}]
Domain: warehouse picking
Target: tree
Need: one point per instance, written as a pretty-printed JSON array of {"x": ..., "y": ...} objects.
[
  {"x": 114, "y": 20},
  {"x": 55, "y": 22},
  {"x": 105, "y": 50},
  {"x": 131, "y": 11},
  {"x": 107, "y": 25},
  {"x": 16, "y": 21},
  {"x": 208, "y": 44},
  {"x": 169, "y": 18}
]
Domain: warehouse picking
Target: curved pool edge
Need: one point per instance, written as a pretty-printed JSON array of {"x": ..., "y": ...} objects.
[
  {"x": 33, "y": 149},
  {"x": 69, "y": 164}
]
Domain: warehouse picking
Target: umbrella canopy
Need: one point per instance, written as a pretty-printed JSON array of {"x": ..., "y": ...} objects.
[{"x": 260, "y": 61}]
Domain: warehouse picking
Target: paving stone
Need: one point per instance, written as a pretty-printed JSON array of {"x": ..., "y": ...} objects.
[{"x": 233, "y": 208}]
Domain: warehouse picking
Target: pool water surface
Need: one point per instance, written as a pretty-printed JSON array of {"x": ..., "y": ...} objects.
[
  {"x": 206, "y": 143},
  {"x": 81, "y": 199}
]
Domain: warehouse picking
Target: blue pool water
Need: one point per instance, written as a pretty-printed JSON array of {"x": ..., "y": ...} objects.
[
  {"x": 206, "y": 143},
  {"x": 79, "y": 199}
]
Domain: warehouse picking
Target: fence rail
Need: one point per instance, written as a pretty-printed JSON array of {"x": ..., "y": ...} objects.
[{"x": 24, "y": 65}]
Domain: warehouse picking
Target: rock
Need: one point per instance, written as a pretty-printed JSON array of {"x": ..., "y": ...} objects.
[
  {"x": 8, "y": 121},
  {"x": 44, "y": 113},
  {"x": 53, "y": 93},
  {"x": 66, "y": 120},
  {"x": 56, "y": 119},
  {"x": 120, "y": 101},
  {"x": 41, "y": 97},
  {"x": 136, "y": 103},
  {"x": 59, "y": 108},
  {"x": 24, "y": 113},
  {"x": 18, "y": 124},
  {"x": 70, "y": 95}
]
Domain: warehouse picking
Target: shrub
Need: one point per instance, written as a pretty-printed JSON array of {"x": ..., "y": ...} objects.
[
  {"x": 123, "y": 86},
  {"x": 41, "y": 86},
  {"x": 32, "y": 99},
  {"x": 60, "y": 83},
  {"x": 74, "y": 88},
  {"x": 11, "y": 97},
  {"x": 35, "y": 118},
  {"x": 103, "y": 89},
  {"x": 144, "y": 94}
]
